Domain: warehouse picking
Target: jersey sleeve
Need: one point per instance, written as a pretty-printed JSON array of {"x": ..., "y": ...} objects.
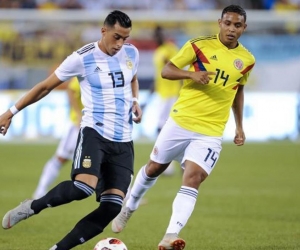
[
  {"x": 246, "y": 73},
  {"x": 70, "y": 67},
  {"x": 136, "y": 58},
  {"x": 185, "y": 56}
]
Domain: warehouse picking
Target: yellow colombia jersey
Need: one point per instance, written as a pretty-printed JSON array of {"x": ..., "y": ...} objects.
[
  {"x": 74, "y": 86},
  {"x": 164, "y": 87},
  {"x": 205, "y": 108}
]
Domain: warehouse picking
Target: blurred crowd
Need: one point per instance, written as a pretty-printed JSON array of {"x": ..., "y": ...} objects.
[
  {"x": 31, "y": 46},
  {"x": 149, "y": 4}
]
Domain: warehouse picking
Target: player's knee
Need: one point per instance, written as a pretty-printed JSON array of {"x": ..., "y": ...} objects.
[
  {"x": 202, "y": 175},
  {"x": 154, "y": 169},
  {"x": 111, "y": 204},
  {"x": 194, "y": 179},
  {"x": 82, "y": 190}
]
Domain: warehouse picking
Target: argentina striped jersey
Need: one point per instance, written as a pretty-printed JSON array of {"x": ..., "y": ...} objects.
[{"x": 105, "y": 83}]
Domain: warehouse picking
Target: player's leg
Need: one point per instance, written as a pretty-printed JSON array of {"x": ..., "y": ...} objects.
[
  {"x": 92, "y": 224},
  {"x": 168, "y": 146},
  {"x": 188, "y": 196},
  {"x": 143, "y": 201},
  {"x": 141, "y": 185},
  {"x": 64, "y": 153},
  {"x": 85, "y": 177},
  {"x": 170, "y": 170},
  {"x": 85, "y": 169},
  {"x": 49, "y": 174},
  {"x": 164, "y": 109},
  {"x": 199, "y": 160},
  {"x": 115, "y": 177}
]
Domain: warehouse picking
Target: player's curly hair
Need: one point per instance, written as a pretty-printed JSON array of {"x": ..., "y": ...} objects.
[
  {"x": 118, "y": 16},
  {"x": 236, "y": 9}
]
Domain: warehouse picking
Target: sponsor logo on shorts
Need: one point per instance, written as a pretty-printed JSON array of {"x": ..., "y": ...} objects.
[
  {"x": 155, "y": 150},
  {"x": 87, "y": 162}
]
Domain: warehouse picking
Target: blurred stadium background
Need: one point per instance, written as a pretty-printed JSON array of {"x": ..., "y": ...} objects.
[
  {"x": 35, "y": 36},
  {"x": 251, "y": 201}
]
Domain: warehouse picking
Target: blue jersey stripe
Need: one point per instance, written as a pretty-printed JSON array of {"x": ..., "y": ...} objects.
[
  {"x": 132, "y": 55},
  {"x": 96, "y": 93},
  {"x": 114, "y": 66}
]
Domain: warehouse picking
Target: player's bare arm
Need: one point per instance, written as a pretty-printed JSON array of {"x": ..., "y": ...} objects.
[
  {"x": 237, "y": 108},
  {"x": 36, "y": 93},
  {"x": 136, "y": 109},
  {"x": 171, "y": 72}
]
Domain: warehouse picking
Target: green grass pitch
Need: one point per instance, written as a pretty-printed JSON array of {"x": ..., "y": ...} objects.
[{"x": 251, "y": 201}]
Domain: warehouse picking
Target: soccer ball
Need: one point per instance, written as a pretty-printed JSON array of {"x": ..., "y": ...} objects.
[{"x": 110, "y": 244}]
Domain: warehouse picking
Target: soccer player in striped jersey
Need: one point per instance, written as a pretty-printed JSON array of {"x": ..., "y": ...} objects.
[
  {"x": 66, "y": 147},
  {"x": 218, "y": 69},
  {"x": 104, "y": 154}
]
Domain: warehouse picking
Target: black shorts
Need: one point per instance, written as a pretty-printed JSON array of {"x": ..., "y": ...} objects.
[{"x": 111, "y": 162}]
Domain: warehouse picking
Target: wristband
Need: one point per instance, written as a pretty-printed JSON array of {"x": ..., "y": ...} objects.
[
  {"x": 134, "y": 99},
  {"x": 14, "y": 110}
]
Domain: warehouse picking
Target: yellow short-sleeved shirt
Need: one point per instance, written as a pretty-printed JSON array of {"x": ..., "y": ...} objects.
[
  {"x": 74, "y": 86},
  {"x": 164, "y": 87},
  {"x": 205, "y": 109}
]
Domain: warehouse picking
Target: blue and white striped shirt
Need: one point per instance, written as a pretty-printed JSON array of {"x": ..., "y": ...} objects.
[{"x": 105, "y": 83}]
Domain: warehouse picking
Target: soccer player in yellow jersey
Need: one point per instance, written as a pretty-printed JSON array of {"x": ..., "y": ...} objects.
[
  {"x": 67, "y": 144},
  {"x": 218, "y": 68},
  {"x": 167, "y": 91}
]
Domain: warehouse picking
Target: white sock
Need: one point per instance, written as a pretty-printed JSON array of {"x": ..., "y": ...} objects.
[
  {"x": 140, "y": 186},
  {"x": 183, "y": 206},
  {"x": 128, "y": 193},
  {"x": 49, "y": 174}
]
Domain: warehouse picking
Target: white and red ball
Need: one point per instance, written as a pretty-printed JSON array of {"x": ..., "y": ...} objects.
[{"x": 110, "y": 244}]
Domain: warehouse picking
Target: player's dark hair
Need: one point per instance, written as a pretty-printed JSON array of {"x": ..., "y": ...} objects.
[
  {"x": 236, "y": 9},
  {"x": 159, "y": 35},
  {"x": 118, "y": 16}
]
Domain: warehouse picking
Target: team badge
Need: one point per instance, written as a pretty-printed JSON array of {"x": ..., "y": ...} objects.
[
  {"x": 129, "y": 64},
  {"x": 87, "y": 163},
  {"x": 155, "y": 150},
  {"x": 238, "y": 64}
]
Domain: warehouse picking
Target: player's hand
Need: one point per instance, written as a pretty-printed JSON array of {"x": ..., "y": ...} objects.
[
  {"x": 137, "y": 111},
  {"x": 239, "y": 138},
  {"x": 5, "y": 120},
  {"x": 202, "y": 77}
]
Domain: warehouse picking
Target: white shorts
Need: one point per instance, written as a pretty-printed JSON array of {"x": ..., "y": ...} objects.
[
  {"x": 67, "y": 143},
  {"x": 165, "y": 105},
  {"x": 177, "y": 143}
]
